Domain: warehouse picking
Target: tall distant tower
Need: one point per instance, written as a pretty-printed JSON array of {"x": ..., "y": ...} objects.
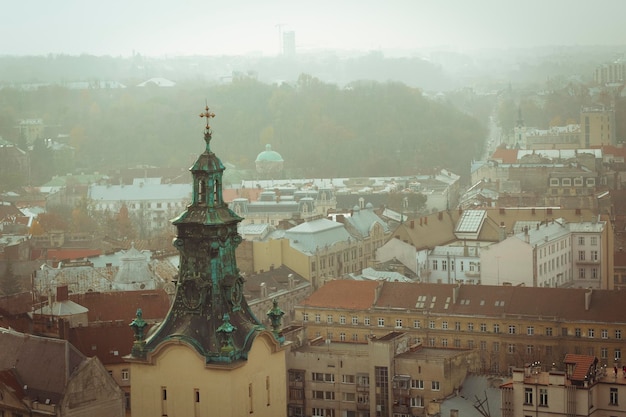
[
  {"x": 289, "y": 43},
  {"x": 211, "y": 355},
  {"x": 519, "y": 130}
]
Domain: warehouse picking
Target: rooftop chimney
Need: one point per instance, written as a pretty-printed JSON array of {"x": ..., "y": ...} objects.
[
  {"x": 588, "y": 299},
  {"x": 62, "y": 293}
]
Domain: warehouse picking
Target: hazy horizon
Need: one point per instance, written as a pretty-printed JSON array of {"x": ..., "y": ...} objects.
[{"x": 159, "y": 28}]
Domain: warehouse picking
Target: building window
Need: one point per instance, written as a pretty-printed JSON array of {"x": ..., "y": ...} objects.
[
  {"x": 593, "y": 241},
  {"x": 613, "y": 397},
  {"x": 457, "y": 326},
  {"x": 590, "y": 333},
  {"x": 417, "y": 384},
  {"x": 355, "y": 320},
  {"x": 431, "y": 341},
  {"x": 366, "y": 321},
  {"x": 434, "y": 385},
  {"x": 125, "y": 374},
  {"x": 355, "y": 337},
  {"x": 594, "y": 255},
  {"x": 530, "y": 330},
  {"x": 398, "y": 323},
  {"x": 577, "y": 332},
  {"x": 594, "y": 273},
  {"x": 604, "y": 353},
  {"x": 496, "y": 328},
  {"x": 581, "y": 240},
  {"x": 342, "y": 319},
  {"x": 618, "y": 354},
  {"x": 511, "y": 329},
  {"x": 496, "y": 346},
  {"x": 347, "y": 379},
  {"x": 417, "y": 402},
  {"x": 604, "y": 333},
  {"x": 329, "y": 319},
  {"x": 581, "y": 273},
  {"x": 322, "y": 412},
  {"x": 543, "y": 397},
  {"x": 431, "y": 324},
  {"x": 349, "y": 396},
  {"x": 528, "y": 396},
  {"x": 342, "y": 337},
  {"x": 444, "y": 325},
  {"x": 417, "y": 324},
  {"x": 444, "y": 342},
  {"x": 470, "y": 327},
  {"x": 470, "y": 344},
  {"x": 581, "y": 255},
  {"x": 483, "y": 327},
  {"x": 322, "y": 377},
  {"x": 381, "y": 322},
  {"x": 444, "y": 265},
  {"x": 457, "y": 343},
  {"x": 483, "y": 345},
  {"x": 511, "y": 348},
  {"x": 530, "y": 349},
  {"x": 305, "y": 317},
  {"x": 618, "y": 334},
  {"x": 435, "y": 265},
  {"x": 318, "y": 318}
]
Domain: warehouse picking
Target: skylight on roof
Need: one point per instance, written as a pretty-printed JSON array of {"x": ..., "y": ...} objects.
[{"x": 471, "y": 221}]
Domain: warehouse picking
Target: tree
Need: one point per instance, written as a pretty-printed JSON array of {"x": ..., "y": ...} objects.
[
  {"x": 51, "y": 221},
  {"x": 124, "y": 227},
  {"x": 9, "y": 282},
  {"x": 81, "y": 220}
]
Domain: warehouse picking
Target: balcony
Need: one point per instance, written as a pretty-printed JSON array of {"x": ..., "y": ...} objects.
[
  {"x": 401, "y": 408},
  {"x": 587, "y": 262},
  {"x": 362, "y": 405}
]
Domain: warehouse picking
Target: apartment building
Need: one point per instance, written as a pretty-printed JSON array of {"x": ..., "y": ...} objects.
[
  {"x": 321, "y": 249},
  {"x": 507, "y": 326},
  {"x": 387, "y": 375},
  {"x": 585, "y": 387}
]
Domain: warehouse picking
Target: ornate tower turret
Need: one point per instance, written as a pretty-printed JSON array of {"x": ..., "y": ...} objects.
[{"x": 209, "y": 312}]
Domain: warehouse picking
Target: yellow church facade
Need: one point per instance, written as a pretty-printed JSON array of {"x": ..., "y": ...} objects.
[{"x": 179, "y": 383}]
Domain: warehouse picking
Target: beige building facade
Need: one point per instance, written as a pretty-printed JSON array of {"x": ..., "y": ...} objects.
[
  {"x": 584, "y": 388},
  {"x": 179, "y": 382},
  {"x": 507, "y": 326},
  {"x": 387, "y": 375}
]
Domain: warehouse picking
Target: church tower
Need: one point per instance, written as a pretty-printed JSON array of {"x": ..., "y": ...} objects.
[{"x": 210, "y": 354}]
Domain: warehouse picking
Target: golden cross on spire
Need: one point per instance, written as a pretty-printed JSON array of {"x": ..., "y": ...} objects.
[{"x": 208, "y": 115}]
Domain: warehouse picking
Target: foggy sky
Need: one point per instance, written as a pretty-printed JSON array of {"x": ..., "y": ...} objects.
[{"x": 235, "y": 27}]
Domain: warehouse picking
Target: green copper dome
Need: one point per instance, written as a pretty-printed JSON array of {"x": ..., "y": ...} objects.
[{"x": 268, "y": 155}]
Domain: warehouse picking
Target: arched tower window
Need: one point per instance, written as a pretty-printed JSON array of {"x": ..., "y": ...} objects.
[{"x": 202, "y": 192}]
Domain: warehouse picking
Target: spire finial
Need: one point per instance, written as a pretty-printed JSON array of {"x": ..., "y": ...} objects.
[{"x": 207, "y": 129}]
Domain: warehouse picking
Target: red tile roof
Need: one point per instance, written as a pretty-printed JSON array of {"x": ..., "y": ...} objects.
[
  {"x": 484, "y": 300},
  {"x": 109, "y": 342},
  {"x": 507, "y": 156},
  {"x": 123, "y": 305},
  {"x": 252, "y": 194},
  {"x": 72, "y": 254},
  {"x": 348, "y": 294},
  {"x": 582, "y": 365}
]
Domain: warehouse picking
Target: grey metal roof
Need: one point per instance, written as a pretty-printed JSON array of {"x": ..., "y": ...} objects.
[
  {"x": 363, "y": 220},
  {"x": 586, "y": 227},
  {"x": 475, "y": 388},
  {"x": 144, "y": 192},
  {"x": 550, "y": 231},
  {"x": 309, "y": 236},
  {"x": 374, "y": 275}
]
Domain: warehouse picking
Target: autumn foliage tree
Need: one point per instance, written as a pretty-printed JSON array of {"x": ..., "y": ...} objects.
[{"x": 124, "y": 225}]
